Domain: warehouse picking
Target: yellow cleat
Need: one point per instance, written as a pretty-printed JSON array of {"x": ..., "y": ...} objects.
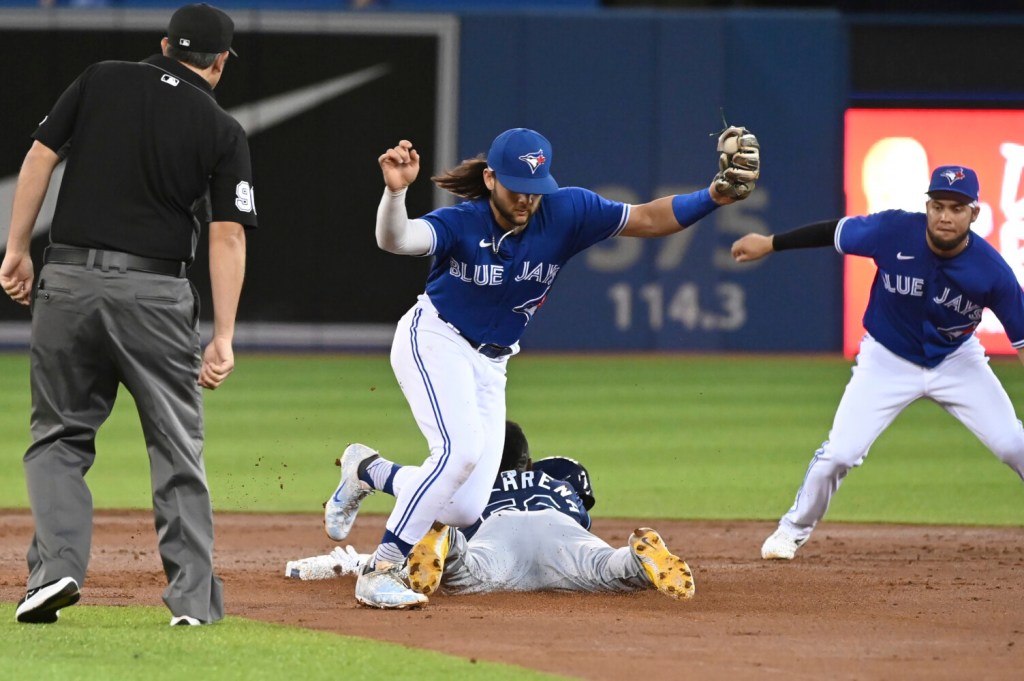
[
  {"x": 426, "y": 560},
  {"x": 668, "y": 573}
]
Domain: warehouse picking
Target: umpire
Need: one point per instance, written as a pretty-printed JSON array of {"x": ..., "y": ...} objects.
[{"x": 149, "y": 155}]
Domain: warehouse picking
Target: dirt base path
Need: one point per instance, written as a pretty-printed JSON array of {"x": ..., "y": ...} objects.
[{"x": 860, "y": 601}]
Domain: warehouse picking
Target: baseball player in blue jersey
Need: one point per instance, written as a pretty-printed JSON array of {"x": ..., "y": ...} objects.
[
  {"x": 534, "y": 535},
  {"x": 496, "y": 257},
  {"x": 934, "y": 279}
]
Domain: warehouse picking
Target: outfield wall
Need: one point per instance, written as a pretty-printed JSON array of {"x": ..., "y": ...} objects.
[
  {"x": 630, "y": 100},
  {"x": 630, "y": 104}
]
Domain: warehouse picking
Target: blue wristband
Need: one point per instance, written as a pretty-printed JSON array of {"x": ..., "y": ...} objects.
[{"x": 688, "y": 208}]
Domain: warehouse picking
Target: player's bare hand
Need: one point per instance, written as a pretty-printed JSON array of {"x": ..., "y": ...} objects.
[
  {"x": 752, "y": 247},
  {"x": 16, "y": 277},
  {"x": 218, "y": 363},
  {"x": 400, "y": 164}
]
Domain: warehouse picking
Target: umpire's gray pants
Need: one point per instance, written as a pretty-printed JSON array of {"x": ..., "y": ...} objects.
[{"x": 92, "y": 330}]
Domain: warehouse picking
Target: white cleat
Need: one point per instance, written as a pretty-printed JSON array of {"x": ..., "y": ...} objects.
[
  {"x": 386, "y": 588},
  {"x": 780, "y": 546},
  {"x": 341, "y": 509}
]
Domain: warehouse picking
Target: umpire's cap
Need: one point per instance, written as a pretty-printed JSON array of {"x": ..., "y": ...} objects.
[
  {"x": 201, "y": 28},
  {"x": 521, "y": 158}
]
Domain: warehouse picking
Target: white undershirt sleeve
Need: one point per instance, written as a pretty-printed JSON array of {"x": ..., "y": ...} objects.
[{"x": 396, "y": 233}]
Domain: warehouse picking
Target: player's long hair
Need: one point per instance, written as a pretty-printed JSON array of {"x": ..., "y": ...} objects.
[
  {"x": 516, "y": 454},
  {"x": 465, "y": 180}
]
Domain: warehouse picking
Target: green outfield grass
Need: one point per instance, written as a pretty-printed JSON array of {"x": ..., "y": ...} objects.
[
  {"x": 102, "y": 644},
  {"x": 663, "y": 436},
  {"x": 666, "y": 436}
]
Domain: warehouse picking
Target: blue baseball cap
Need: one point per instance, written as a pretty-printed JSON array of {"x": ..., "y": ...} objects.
[
  {"x": 521, "y": 158},
  {"x": 955, "y": 179}
]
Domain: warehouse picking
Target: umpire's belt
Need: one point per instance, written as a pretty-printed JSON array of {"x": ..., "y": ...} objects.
[
  {"x": 486, "y": 349},
  {"x": 94, "y": 258}
]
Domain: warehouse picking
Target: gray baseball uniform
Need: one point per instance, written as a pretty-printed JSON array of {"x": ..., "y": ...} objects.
[
  {"x": 541, "y": 550},
  {"x": 534, "y": 536}
]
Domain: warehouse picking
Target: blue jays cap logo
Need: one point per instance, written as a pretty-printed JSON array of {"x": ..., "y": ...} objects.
[
  {"x": 953, "y": 175},
  {"x": 956, "y": 179},
  {"x": 534, "y": 159},
  {"x": 518, "y": 166}
]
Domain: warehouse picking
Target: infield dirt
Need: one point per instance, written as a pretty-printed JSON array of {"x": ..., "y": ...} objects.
[{"x": 859, "y": 602}]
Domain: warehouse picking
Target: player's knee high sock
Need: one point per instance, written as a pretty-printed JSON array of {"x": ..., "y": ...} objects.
[
  {"x": 392, "y": 549},
  {"x": 379, "y": 473}
]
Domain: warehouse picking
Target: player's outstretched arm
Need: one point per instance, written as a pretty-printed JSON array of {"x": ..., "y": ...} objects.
[
  {"x": 755, "y": 246},
  {"x": 739, "y": 167}
]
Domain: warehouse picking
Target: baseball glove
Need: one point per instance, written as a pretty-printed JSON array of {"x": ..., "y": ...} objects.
[{"x": 739, "y": 163}]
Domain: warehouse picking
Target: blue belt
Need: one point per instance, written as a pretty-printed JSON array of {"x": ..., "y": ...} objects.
[{"x": 486, "y": 349}]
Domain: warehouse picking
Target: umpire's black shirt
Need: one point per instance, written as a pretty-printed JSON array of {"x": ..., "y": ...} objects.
[{"x": 147, "y": 141}]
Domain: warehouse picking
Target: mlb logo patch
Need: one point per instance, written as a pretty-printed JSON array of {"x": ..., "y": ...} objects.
[
  {"x": 169, "y": 79},
  {"x": 184, "y": 42}
]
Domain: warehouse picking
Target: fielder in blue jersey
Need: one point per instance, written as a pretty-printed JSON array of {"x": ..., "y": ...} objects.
[
  {"x": 533, "y": 535},
  {"x": 496, "y": 257},
  {"x": 934, "y": 279}
]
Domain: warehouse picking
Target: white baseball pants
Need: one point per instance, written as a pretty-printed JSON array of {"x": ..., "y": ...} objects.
[
  {"x": 457, "y": 397},
  {"x": 882, "y": 386}
]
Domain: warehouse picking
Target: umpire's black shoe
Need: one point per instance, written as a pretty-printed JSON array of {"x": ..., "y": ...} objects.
[{"x": 42, "y": 605}]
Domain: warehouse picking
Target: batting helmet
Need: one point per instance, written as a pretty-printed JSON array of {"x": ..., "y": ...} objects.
[{"x": 573, "y": 472}]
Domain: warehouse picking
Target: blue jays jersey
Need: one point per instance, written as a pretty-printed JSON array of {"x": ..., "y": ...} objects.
[
  {"x": 532, "y": 491},
  {"x": 923, "y": 307},
  {"x": 489, "y": 288}
]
